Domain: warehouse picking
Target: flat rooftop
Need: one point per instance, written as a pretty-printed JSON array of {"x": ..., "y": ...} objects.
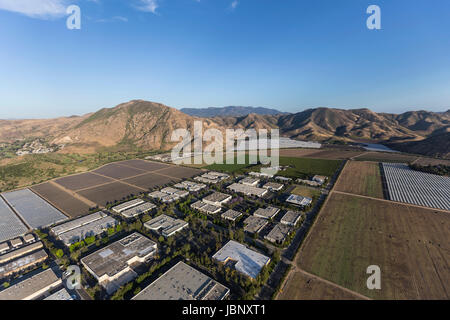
[
  {"x": 117, "y": 256},
  {"x": 190, "y": 186},
  {"x": 273, "y": 186},
  {"x": 87, "y": 230},
  {"x": 267, "y": 213},
  {"x": 61, "y": 295},
  {"x": 10, "y": 225},
  {"x": 34, "y": 210},
  {"x": 182, "y": 282},
  {"x": 247, "y": 261},
  {"x": 248, "y": 190},
  {"x": 291, "y": 217},
  {"x": 217, "y": 197},
  {"x": 70, "y": 225},
  {"x": 31, "y": 288},
  {"x": 254, "y": 224},
  {"x": 231, "y": 215},
  {"x": 249, "y": 181},
  {"x": 20, "y": 252},
  {"x": 166, "y": 224},
  {"x": 126, "y": 205},
  {"x": 299, "y": 200},
  {"x": 23, "y": 262},
  {"x": 278, "y": 233},
  {"x": 138, "y": 210}
]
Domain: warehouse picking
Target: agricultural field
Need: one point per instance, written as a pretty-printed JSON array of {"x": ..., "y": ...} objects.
[
  {"x": 386, "y": 157},
  {"x": 320, "y": 154},
  {"x": 109, "y": 192},
  {"x": 410, "y": 244},
  {"x": 150, "y": 180},
  {"x": 306, "y": 191},
  {"x": 363, "y": 178},
  {"x": 82, "y": 181},
  {"x": 305, "y": 167},
  {"x": 117, "y": 171},
  {"x": 62, "y": 200},
  {"x": 179, "y": 172},
  {"x": 300, "y": 286}
]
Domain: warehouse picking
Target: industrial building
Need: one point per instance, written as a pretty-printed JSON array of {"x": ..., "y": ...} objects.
[
  {"x": 32, "y": 287},
  {"x": 217, "y": 199},
  {"x": 138, "y": 210},
  {"x": 248, "y": 181},
  {"x": 260, "y": 174},
  {"x": 283, "y": 179},
  {"x": 247, "y": 190},
  {"x": 278, "y": 234},
  {"x": 272, "y": 186},
  {"x": 182, "y": 282},
  {"x": 243, "y": 259},
  {"x": 212, "y": 177},
  {"x": 267, "y": 213},
  {"x": 10, "y": 224},
  {"x": 190, "y": 186},
  {"x": 127, "y": 205},
  {"x": 22, "y": 263},
  {"x": 231, "y": 215},
  {"x": 29, "y": 238},
  {"x": 319, "y": 179},
  {"x": 291, "y": 218},
  {"x": 168, "y": 226},
  {"x": 169, "y": 195},
  {"x": 15, "y": 243},
  {"x": 4, "y": 247},
  {"x": 111, "y": 266},
  {"x": 254, "y": 224},
  {"x": 80, "y": 229},
  {"x": 61, "y": 295},
  {"x": 299, "y": 200},
  {"x": 20, "y": 252},
  {"x": 309, "y": 182},
  {"x": 205, "y": 207}
]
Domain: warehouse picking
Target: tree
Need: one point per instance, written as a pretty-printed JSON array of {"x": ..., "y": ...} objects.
[{"x": 59, "y": 253}]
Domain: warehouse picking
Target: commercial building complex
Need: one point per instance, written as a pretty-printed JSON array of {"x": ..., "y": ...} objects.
[
  {"x": 32, "y": 287},
  {"x": 168, "y": 195},
  {"x": 299, "y": 200},
  {"x": 243, "y": 259},
  {"x": 168, "y": 226},
  {"x": 291, "y": 218},
  {"x": 190, "y": 186},
  {"x": 127, "y": 205},
  {"x": 138, "y": 210},
  {"x": 250, "y": 181},
  {"x": 99, "y": 223},
  {"x": 231, "y": 215},
  {"x": 61, "y": 295},
  {"x": 111, "y": 266},
  {"x": 22, "y": 263},
  {"x": 267, "y": 213},
  {"x": 254, "y": 224},
  {"x": 205, "y": 207},
  {"x": 20, "y": 252},
  {"x": 248, "y": 190},
  {"x": 182, "y": 282},
  {"x": 272, "y": 186},
  {"x": 212, "y": 177},
  {"x": 217, "y": 199},
  {"x": 278, "y": 234}
]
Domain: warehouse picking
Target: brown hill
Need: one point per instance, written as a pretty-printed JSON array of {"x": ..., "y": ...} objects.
[{"x": 149, "y": 125}]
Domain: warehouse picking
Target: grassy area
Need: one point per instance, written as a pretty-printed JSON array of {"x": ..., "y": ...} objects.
[
  {"x": 306, "y": 191},
  {"x": 235, "y": 167},
  {"x": 409, "y": 244},
  {"x": 362, "y": 178},
  {"x": 37, "y": 168},
  {"x": 305, "y": 167}
]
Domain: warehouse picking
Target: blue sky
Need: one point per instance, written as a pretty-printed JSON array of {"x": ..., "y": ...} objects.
[{"x": 285, "y": 54}]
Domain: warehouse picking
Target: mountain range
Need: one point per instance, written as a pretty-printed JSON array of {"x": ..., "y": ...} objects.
[
  {"x": 149, "y": 125},
  {"x": 231, "y": 111}
]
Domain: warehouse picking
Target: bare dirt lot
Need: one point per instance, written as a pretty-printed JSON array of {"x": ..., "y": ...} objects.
[
  {"x": 150, "y": 180},
  {"x": 109, "y": 192},
  {"x": 82, "y": 181},
  {"x": 431, "y": 162},
  {"x": 116, "y": 171},
  {"x": 61, "y": 199},
  {"x": 409, "y": 244},
  {"x": 305, "y": 287},
  {"x": 362, "y": 178}
]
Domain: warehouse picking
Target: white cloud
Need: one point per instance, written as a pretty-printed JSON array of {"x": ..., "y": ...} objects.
[
  {"x": 148, "y": 5},
  {"x": 43, "y": 9},
  {"x": 234, "y": 4}
]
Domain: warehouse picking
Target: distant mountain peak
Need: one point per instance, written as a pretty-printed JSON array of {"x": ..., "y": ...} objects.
[{"x": 230, "y": 111}]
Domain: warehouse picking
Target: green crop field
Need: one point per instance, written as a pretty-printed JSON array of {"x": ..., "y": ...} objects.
[{"x": 305, "y": 167}]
